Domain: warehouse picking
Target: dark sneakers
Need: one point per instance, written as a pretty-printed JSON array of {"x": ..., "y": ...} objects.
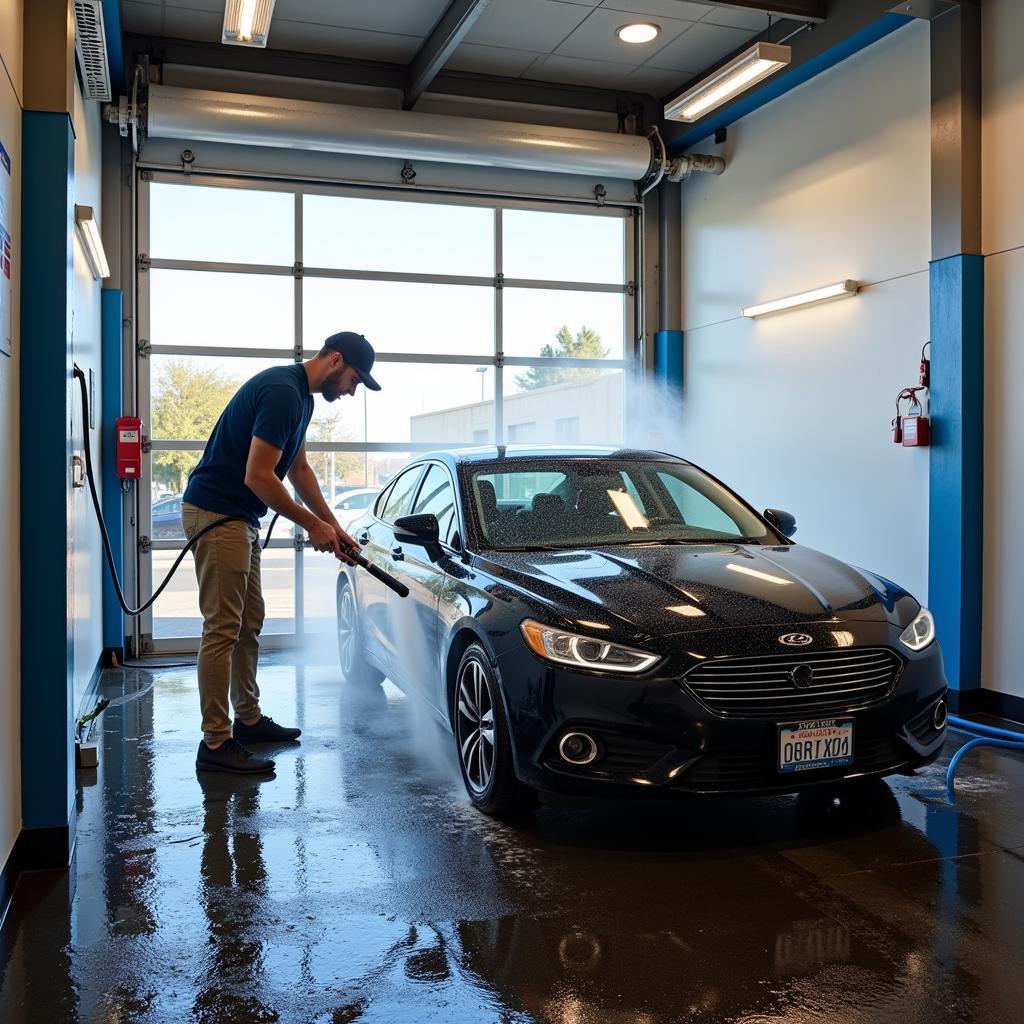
[
  {"x": 266, "y": 730},
  {"x": 231, "y": 756}
]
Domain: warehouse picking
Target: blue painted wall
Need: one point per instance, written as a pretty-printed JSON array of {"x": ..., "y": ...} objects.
[
  {"x": 956, "y": 460},
  {"x": 46, "y": 631},
  {"x": 113, "y": 304}
]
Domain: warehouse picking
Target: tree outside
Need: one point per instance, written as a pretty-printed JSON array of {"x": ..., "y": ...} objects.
[
  {"x": 333, "y": 468},
  {"x": 187, "y": 402},
  {"x": 586, "y": 344}
]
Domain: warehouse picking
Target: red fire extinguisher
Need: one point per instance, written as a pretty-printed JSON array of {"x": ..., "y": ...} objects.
[
  {"x": 912, "y": 430},
  {"x": 129, "y": 447}
]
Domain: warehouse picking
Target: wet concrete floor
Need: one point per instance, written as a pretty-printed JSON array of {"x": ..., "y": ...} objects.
[{"x": 359, "y": 885}]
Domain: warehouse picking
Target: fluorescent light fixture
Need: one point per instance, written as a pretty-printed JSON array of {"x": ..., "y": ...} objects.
[
  {"x": 749, "y": 68},
  {"x": 89, "y": 233},
  {"x": 247, "y": 22},
  {"x": 839, "y": 290},
  {"x": 638, "y": 32}
]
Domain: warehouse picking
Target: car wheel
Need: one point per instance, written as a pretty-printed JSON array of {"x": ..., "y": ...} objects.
[
  {"x": 354, "y": 666},
  {"x": 484, "y": 744}
]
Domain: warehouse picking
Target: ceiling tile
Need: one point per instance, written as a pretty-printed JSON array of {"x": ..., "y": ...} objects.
[
  {"x": 490, "y": 60},
  {"x": 655, "y": 81},
  {"x": 576, "y": 71},
  {"x": 755, "y": 21},
  {"x": 701, "y": 46},
  {"x": 342, "y": 42},
  {"x": 406, "y": 17},
  {"x": 682, "y": 9},
  {"x": 595, "y": 39},
  {"x": 205, "y": 26},
  {"x": 538, "y": 25},
  {"x": 216, "y": 6},
  {"x": 143, "y": 18}
]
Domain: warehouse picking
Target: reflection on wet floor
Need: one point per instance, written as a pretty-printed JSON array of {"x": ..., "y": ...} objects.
[{"x": 358, "y": 885}]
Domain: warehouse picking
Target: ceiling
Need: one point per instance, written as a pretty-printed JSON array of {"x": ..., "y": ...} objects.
[{"x": 565, "y": 41}]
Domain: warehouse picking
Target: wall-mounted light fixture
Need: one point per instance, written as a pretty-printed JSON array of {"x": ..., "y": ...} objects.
[
  {"x": 840, "y": 290},
  {"x": 638, "y": 32},
  {"x": 89, "y": 233},
  {"x": 247, "y": 22},
  {"x": 742, "y": 72}
]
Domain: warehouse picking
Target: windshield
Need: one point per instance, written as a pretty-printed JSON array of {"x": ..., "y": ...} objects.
[{"x": 596, "y": 502}]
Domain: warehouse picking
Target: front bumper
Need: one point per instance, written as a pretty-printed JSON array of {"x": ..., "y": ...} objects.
[{"x": 656, "y": 737}]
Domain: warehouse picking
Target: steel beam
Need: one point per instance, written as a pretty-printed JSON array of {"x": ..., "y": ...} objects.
[
  {"x": 798, "y": 10},
  {"x": 456, "y": 21},
  {"x": 851, "y": 26}
]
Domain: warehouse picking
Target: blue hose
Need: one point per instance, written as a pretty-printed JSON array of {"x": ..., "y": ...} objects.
[{"x": 985, "y": 735}]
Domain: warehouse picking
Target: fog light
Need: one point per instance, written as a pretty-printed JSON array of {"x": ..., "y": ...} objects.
[
  {"x": 939, "y": 715},
  {"x": 577, "y": 748}
]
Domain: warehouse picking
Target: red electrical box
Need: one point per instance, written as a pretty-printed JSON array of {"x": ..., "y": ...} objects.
[
  {"x": 916, "y": 432},
  {"x": 129, "y": 447}
]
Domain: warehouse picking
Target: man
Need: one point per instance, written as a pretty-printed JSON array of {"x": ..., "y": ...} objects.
[{"x": 258, "y": 440}]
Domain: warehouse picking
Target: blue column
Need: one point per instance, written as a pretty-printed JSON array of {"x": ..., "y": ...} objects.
[
  {"x": 47, "y": 740},
  {"x": 668, "y": 358},
  {"x": 112, "y": 304},
  {"x": 956, "y": 461}
]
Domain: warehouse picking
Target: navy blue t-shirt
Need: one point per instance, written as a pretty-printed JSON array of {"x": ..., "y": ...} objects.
[{"x": 275, "y": 406}]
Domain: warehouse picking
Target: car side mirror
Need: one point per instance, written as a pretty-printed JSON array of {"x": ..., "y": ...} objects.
[
  {"x": 784, "y": 522},
  {"x": 420, "y": 529}
]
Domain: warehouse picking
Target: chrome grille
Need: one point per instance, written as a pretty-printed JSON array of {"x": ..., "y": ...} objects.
[{"x": 760, "y": 687}]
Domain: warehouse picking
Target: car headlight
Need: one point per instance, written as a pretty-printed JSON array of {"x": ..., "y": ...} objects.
[
  {"x": 584, "y": 651},
  {"x": 920, "y": 633}
]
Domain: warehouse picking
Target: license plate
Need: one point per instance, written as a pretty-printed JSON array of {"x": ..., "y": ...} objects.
[{"x": 819, "y": 743}]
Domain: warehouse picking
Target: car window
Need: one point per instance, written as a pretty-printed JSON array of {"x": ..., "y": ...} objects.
[
  {"x": 360, "y": 500},
  {"x": 606, "y": 501},
  {"x": 382, "y": 500},
  {"x": 438, "y": 497},
  {"x": 400, "y": 497},
  {"x": 697, "y": 509}
]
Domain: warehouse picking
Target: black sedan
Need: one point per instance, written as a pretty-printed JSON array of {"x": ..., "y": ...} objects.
[{"x": 593, "y": 621}]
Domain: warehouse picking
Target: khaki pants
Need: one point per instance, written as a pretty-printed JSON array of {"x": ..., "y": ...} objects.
[{"x": 231, "y": 600}]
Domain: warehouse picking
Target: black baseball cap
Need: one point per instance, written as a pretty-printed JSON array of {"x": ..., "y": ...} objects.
[{"x": 357, "y": 352}]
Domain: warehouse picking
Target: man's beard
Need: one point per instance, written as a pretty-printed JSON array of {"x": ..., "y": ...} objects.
[{"x": 332, "y": 385}]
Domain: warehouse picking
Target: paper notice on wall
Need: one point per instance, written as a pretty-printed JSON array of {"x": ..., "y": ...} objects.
[{"x": 6, "y": 254}]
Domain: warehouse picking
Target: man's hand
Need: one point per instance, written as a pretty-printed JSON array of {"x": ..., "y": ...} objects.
[
  {"x": 347, "y": 543},
  {"x": 325, "y": 537}
]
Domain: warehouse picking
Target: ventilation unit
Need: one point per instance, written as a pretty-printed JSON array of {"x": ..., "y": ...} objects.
[{"x": 91, "y": 46}]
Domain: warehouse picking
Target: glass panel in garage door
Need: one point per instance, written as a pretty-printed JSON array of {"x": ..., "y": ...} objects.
[
  {"x": 243, "y": 311},
  {"x": 563, "y": 405},
  {"x": 344, "y": 233},
  {"x": 545, "y": 246},
  {"x": 400, "y": 316},
  {"x": 426, "y": 403},
  {"x": 539, "y": 323},
  {"x": 221, "y": 225}
]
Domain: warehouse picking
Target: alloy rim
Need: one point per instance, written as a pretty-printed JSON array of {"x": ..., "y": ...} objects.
[
  {"x": 346, "y": 631},
  {"x": 475, "y": 732}
]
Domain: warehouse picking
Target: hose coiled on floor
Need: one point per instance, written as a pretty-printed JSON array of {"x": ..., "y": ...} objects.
[{"x": 983, "y": 735}]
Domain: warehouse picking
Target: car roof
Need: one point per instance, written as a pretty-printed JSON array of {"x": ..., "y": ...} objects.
[{"x": 454, "y": 457}]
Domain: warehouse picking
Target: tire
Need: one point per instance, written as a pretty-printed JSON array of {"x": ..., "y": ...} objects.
[
  {"x": 483, "y": 742},
  {"x": 354, "y": 666}
]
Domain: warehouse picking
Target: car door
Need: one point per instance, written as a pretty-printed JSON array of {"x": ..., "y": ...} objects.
[
  {"x": 376, "y": 539},
  {"x": 414, "y": 618}
]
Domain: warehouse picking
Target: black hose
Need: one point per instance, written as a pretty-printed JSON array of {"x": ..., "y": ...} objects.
[{"x": 108, "y": 552}]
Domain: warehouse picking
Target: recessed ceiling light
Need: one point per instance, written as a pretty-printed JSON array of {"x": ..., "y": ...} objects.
[{"x": 639, "y": 32}]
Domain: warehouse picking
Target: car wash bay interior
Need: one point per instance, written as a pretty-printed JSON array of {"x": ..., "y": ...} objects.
[{"x": 491, "y": 192}]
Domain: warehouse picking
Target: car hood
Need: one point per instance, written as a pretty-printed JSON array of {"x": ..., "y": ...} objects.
[{"x": 664, "y": 589}]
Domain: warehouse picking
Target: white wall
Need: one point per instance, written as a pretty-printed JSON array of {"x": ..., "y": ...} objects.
[
  {"x": 87, "y": 559},
  {"x": 10, "y": 561},
  {"x": 1003, "y": 245},
  {"x": 826, "y": 183}
]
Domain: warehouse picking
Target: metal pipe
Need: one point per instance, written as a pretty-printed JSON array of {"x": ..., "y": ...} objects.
[{"x": 206, "y": 115}]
